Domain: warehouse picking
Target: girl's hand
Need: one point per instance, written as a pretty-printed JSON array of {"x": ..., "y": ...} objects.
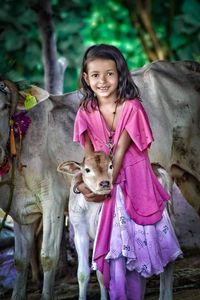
[{"x": 90, "y": 196}]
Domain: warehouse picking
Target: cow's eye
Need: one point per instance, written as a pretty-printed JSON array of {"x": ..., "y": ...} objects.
[
  {"x": 5, "y": 106},
  {"x": 87, "y": 170},
  {"x": 110, "y": 167}
]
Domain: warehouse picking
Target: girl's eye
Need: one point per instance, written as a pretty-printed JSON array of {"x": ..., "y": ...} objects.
[
  {"x": 110, "y": 73},
  {"x": 87, "y": 170},
  {"x": 94, "y": 75}
]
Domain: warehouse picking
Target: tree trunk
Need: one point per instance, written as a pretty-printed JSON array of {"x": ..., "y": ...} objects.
[
  {"x": 140, "y": 15},
  {"x": 146, "y": 19},
  {"x": 54, "y": 68}
]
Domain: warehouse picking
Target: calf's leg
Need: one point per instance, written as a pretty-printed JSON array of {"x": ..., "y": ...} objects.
[
  {"x": 81, "y": 240},
  {"x": 103, "y": 290},
  {"x": 166, "y": 283}
]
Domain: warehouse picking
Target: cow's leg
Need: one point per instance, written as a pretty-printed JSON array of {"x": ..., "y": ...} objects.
[
  {"x": 35, "y": 262},
  {"x": 52, "y": 231},
  {"x": 81, "y": 240},
  {"x": 24, "y": 235},
  {"x": 166, "y": 283},
  {"x": 103, "y": 290}
]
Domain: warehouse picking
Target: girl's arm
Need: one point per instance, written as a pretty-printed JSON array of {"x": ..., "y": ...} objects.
[{"x": 122, "y": 146}]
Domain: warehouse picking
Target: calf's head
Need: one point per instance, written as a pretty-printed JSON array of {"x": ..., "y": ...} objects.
[{"x": 96, "y": 171}]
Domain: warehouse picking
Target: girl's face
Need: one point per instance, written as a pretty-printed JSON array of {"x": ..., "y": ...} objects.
[{"x": 102, "y": 77}]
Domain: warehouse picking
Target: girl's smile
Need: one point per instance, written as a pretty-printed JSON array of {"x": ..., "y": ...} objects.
[{"x": 102, "y": 77}]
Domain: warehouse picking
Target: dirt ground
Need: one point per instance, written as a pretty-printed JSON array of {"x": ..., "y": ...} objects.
[{"x": 186, "y": 283}]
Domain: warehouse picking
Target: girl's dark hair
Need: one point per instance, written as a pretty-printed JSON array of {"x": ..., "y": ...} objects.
[{"x": 126, "y": 87}]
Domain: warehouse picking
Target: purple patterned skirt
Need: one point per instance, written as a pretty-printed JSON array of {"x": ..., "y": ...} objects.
[{"x": 146, "y": 249}]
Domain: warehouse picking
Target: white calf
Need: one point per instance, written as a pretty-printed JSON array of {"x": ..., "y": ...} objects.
[{"x": 96, "y": 172}]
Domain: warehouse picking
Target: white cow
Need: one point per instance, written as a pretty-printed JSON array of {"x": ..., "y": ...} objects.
[
  {"x": 171, "y": 96},
  {"x": 170, "y": 93},
  {"x": 39, "y": 190}
]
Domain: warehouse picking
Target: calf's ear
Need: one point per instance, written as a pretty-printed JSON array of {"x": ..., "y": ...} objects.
[{"x": 69, "y": 167}]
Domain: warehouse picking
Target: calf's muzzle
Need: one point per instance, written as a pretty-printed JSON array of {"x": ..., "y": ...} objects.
[{"x": 105, "y": 184}]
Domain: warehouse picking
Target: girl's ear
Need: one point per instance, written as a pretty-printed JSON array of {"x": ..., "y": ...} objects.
[{"x": 85, "y": 76}]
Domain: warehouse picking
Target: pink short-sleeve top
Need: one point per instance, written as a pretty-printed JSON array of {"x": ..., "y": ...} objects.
[{"x": 144, "y": 194}]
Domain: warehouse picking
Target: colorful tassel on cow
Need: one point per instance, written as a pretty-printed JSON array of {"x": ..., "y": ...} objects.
[
  {"x": 21, "y": 123},
  {"x": 13, "y": 150}
]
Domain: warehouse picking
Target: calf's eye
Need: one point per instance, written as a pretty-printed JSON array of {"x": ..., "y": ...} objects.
[
  {"x": 87, "y": 170},
  {"x": 110, "y": 167}
]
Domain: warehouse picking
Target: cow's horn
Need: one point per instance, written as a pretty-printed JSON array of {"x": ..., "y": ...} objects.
[{"x": 14, "y": 95}]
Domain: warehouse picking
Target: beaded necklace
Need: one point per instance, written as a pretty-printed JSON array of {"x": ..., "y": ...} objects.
[{"x": 111, "y": 131}]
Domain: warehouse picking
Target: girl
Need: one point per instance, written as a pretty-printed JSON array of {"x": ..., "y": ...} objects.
[{"x": 135, "y": 238}]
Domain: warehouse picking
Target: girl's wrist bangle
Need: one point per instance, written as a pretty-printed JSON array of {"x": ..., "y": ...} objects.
[{"x": 75, "y": 187}]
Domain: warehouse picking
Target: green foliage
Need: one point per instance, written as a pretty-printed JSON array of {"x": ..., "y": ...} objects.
[
  {"x": 185, "y": 40},
  {"x": 79, "y": 24},
  {"x": 110, "y": 24},
  {"x": 21, "y": 53}
]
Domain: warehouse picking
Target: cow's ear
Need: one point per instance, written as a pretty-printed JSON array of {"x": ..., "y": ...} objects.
[{"x": 69, "y": 167}]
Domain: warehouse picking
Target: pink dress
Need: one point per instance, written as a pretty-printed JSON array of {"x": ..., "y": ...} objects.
[{"x": 133, "y": 223}]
